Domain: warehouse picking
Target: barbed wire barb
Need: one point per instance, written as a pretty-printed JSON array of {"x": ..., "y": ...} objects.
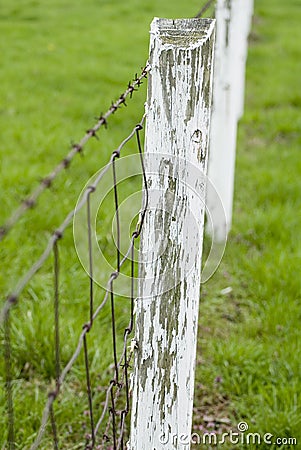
[
  {"x": 121, "y": 365},
  {"x": 47, "y": 181},
  {"x": 108, "y": 414}
]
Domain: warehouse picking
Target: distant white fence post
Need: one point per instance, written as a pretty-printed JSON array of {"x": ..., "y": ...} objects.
[
  {"x": 176, "y": 148},
  {"x": 233, "y": 20},
  {"x": 242, "y": 21}
]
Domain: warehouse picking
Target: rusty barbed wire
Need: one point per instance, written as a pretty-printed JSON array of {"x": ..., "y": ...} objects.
[
  {"x": 12, "y": 299},
  {"x": 118, "y": 383},
  {"x": 120, "y": 365},
  {"x": 115, "y": 425},
  {"x": 46, "y": 182}
]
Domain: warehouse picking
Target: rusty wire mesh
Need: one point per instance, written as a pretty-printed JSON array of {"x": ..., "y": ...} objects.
[
  {"x": 107, "y": 425},
  {"x": 47, "y": 181},
  {"x": 113, "y": 429}
]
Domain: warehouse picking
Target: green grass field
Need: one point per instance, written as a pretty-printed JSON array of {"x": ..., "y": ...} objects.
[{"x": 62, "y": 64}]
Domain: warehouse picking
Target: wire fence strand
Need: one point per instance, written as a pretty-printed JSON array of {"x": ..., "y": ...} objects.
[
  {"x": 204, "y": 8},
  {"x": 46, "y": 182},
  {"x": 116, "y": 420},
  {"x": 108, "y": 423},
  {"x": 12, "y": 299},
  {"x": 54, "y": 429},
  {"x": 89, "y": 390},
  {"x": 8, "y": 384},
  {"x": 56, "y": 311}
]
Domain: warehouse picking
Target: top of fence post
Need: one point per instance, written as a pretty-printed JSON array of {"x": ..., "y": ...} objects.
[{"x": 176, "y": 144}]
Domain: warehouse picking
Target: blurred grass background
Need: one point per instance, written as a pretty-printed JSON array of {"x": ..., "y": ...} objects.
[
  {"x": 249, "y": 359},
  {"x": 62, "y": 63}
]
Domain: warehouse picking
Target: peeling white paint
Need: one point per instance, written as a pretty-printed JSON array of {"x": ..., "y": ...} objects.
[{"x": 177, "y": 135}]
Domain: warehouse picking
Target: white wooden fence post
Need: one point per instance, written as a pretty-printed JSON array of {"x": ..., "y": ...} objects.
[
  {"x": 177, "y": 135},
  {"x": 232, "y": 28},
  {"x": 243, "y": 11}
]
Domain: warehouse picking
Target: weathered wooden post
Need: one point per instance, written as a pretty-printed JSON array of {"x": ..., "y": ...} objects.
[
  {"x": 177, "y": 135},
  {"x": 232, "y": 28}
]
